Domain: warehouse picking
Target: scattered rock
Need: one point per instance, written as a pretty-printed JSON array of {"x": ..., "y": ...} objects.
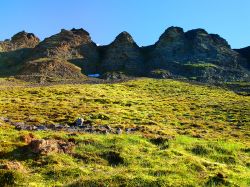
[
  {"x": 4, "y": 119},
  {"x": 46, "y": 147},
  {"x": 79, "y": 122},
  {"x": 79, "y": 126},
  {"x": 41, "y": 128},
  {"x": 119, "y": 131},
  {"x": 131, "y": 130}
]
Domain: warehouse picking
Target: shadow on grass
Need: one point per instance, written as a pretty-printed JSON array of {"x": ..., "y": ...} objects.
[{"x": 20, "y": 153}]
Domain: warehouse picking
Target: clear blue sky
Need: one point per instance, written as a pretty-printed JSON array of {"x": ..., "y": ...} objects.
[{"x": 146, "y": 20}]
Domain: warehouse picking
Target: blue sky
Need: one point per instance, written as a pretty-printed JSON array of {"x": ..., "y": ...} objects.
[{"x": 145, "y": 20}]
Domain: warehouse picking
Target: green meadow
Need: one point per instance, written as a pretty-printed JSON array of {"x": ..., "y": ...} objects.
[{"x": 189, "y": 134}]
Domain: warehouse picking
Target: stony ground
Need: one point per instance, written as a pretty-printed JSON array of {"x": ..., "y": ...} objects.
[{"x": 144, "y": 132}]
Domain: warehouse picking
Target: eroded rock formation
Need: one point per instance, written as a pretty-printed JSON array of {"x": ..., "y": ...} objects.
[
  {"x": 194, "y": 54},
  {"x": 123, "y": 54}
]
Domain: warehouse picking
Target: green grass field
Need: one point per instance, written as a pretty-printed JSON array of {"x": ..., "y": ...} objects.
[{"x": 190, "y": 135}]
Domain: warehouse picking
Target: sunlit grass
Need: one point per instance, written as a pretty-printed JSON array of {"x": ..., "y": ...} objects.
[{"x": 204, "y": 131}]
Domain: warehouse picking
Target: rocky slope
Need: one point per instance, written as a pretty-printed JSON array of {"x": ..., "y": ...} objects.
[{"x": 194, "y": 54}]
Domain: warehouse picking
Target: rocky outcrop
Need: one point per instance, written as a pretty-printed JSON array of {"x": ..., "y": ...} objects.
[
  {"x": 196, "y": 54},
  {"x": 45, "y": 147},
  {"x": 194, "y": 46},
  {"x": 73, "y": 45},
  {"x": 20, "y": 40},
  {"x": 123, "y": 55}
]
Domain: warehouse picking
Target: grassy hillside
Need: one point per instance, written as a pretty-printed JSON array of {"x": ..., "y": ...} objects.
[{"x": 189, "y": 135}]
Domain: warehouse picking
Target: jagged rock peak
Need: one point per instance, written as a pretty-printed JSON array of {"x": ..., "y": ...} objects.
[
  {"x": 19, "y": 41},
  {"x": 124, "y": 37},
  {"x": 198, "y": 31},
  {"x": 24, "y": 36},
  {"x": 80, "y": 32},
  {"x": 66, "y": 44},
  {"x": 172, "y": 32}
]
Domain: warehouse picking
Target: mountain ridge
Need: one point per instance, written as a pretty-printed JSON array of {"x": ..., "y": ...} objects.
[{"x": 194, "y": 54}]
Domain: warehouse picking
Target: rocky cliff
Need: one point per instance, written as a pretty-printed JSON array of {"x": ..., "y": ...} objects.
[
  {"x": 123, "y": 54},
  {"x": 194, "y": 54},
  {"x": 245, "y": 53}
]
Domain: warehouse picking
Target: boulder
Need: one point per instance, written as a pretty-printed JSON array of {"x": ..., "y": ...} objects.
[
  {"x": 79, "y": 122},
  {"x": 46, "y": 147}
]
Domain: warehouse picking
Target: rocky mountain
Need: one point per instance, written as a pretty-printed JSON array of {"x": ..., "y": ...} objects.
[
  {"x": 194, "y": 54},
  {"x": 19, "y": 41},
  {"x": 123, "y": 54},
  {"x": 75, "y": 46}
]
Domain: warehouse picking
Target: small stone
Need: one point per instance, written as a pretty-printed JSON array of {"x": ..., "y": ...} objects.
[
  {"x": 128, "y": 130},
  {"x": 4, "y": 119},
  {"x": 41, "y": 128},
  {"x": 18, "y": 124},
  {"x": 108, "y": 127},
  {"x": 79, "y": 122},
  {"x": 119, "y": 131},
  {"x": 20, "y": 127}
]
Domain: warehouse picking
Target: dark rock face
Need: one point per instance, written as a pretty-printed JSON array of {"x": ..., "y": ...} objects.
[
  {"x": 19, "y": 41},
  {"x": 245, "y": 52},
  {"x": 196, "y": 54},
  {"x": 193, "y": 46},
  {"x": 123, "y": 55}
]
